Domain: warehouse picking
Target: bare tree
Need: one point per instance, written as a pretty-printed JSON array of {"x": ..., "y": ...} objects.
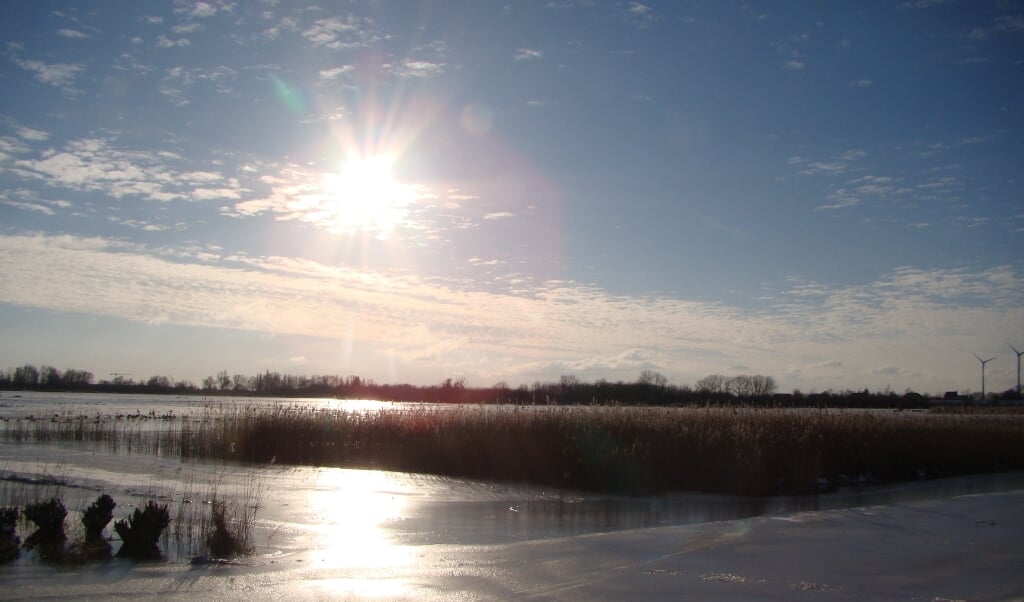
[
  {"x": 26, "y": 376},
  {"x": 650, "y": 377},
  {"x": 713, "y": 383},
  {"x": 747, "y": 385},
  {"x": 223, "y": 380},
  {"x": 764, "y": 385}
]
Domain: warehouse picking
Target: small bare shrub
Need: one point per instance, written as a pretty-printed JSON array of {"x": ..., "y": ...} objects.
[{"x": 222, "y": 542}]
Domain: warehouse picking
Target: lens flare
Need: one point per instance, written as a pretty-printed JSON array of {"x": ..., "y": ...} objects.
[
  {"x": 364, "y": 196},
  {"x": 288, "y": 95}
]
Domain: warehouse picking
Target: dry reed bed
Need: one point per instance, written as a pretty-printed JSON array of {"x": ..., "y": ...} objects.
[{"x": 614, "y": 449}]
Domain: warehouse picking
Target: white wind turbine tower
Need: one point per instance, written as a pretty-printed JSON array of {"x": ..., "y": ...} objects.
[
  {"x": 983, "y": 362},
  {"x": 1019, "y": 353}
]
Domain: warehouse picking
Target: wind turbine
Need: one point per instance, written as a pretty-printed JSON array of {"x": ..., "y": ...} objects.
[
  {"x": 983, "y": 362},
  {"x": 1019, "y": 353}
]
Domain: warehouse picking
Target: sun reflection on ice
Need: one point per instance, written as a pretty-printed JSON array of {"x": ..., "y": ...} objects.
[{"x": 350, "y": 509}]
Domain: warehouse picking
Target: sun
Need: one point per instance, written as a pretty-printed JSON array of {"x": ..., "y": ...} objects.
[{"x": 364, "y": 196}]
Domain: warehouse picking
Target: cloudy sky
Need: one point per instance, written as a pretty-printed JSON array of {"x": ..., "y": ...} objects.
[{"x": 827, "y": 193}]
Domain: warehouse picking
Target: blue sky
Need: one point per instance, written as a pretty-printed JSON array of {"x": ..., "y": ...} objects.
[{"x": 825, "y": 193}]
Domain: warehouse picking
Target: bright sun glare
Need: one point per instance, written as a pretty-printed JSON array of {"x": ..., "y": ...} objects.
[
  {"x": 354, "y": 508},
  {"x": 364, "y": 196}
]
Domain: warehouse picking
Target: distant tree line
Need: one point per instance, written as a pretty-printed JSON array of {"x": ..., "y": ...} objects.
[
  {"x": 650, "y": 388},
  {"x": 43, "y": 378}
]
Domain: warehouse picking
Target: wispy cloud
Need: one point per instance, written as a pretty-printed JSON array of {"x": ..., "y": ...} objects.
[
  {"x": 61, "y": 75},
  {"x": 980, "y": 139},
  {"x": 145, "y": 226},
  {"x": 72, "y": 34},
  {"x": 790, "y": 49},
  {"x": 326, "y": 32},
  {"x": 220, "y": 77},
  {"x": 640, "y": 15},
  {"x": 795, "y": 63},
  {"x": 484, "y": 262},
  {"x": 971, "y": 221},
  {"x": 1002, "y": 24},
  {"x": 163, "y": 41},
  {"x": 33, "y": 135},
  {"x": 178, "y": 80},
  {"x": 917, "y": 320},
  {"x": 202, "y": 10},
  {"x": 844, "y": 191},
  {"x": 1009, "y": 23},
  {"x": 10, "y": 146},
  {"x": 528, "y": 54},
  {"x": 285, "y": 24},
  {"x": 937, "y": 148},
  {"x": 96, "y": 165},
  {"x": 838, "y": 164},
  {"x": 416, "y": 69},
  {"x": 334, "y": 73},
  {"x": 187, "y": 28},
  {"x": 639, "y": 9},
  {"x": 839, "y": 199},
  {"x": 872, "y": 185},
  {"x": 340, "y": 33},
  {"x": 27, "y": 206},
  {"x": 456, "y": 197}
]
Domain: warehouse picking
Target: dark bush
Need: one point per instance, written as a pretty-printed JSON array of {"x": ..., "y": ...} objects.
[
  {"x": 97, "y": 516},
  {"x": 48, "y": 538},
  {"x": 9, "y": 541},
  {"x": 49, "y": 519},
  {"x": 141, "y": 532}
]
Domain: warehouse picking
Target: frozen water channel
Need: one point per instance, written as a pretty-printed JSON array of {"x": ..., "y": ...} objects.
[{"x": 328, "y": 533}]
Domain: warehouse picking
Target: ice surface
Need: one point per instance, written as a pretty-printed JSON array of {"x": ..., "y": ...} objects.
[
  {"x": 965, "y": 547},
  {"x": 327, "y": 533}
]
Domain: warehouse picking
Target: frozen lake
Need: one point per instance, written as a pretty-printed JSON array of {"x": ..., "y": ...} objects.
[
  {"x": 365, "y": 533},
  {"x": 21, "y": 404}
]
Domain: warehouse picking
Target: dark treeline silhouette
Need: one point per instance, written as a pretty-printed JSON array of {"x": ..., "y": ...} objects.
[{"x": 650, "y": 388}]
